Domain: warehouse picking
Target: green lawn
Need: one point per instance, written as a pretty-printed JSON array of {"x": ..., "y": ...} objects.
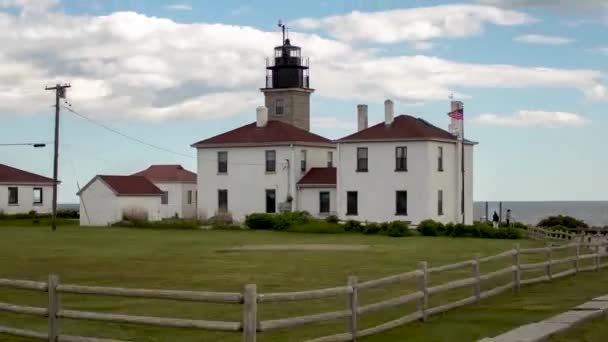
[
  {"x": 593, "y": 331},
  {"x": 193, "y": 260}
]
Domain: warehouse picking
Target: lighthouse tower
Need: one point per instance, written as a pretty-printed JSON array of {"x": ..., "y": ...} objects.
[{"x": 287, "y": 91}]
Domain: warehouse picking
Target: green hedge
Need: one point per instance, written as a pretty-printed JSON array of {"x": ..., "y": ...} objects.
[
  {"x": 64, "y": 214},
  {"x": 562, "y": 221},
  {"x": 478, "y": 230}
]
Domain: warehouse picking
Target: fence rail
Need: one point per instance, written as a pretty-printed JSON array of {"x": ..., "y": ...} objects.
[{"x": 249, "y": 327}]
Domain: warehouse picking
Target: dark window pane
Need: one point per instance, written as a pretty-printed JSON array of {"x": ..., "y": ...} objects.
[
  {"x": 351, "y": 203},
  {"x": 279, "y": 108},
  {"x": 222, "y": 162},
  {"x": 189, "y": 196},
  {"x": 440, "y": 202},
  {"x": 401, "y": 158},
  {"x": 303, "y": 161},
  {"x": 401, "y": 202},
  {"x": 330, "y": 159},
  {"x": 324, "y": 202},
  {"x": 164, "y": 197},
  {"x": 362, "y": 159},
  {"x": 37, "y": 195},
  {"x": 13, "y": 195},
  {"x": 271, "y": 161},
  {"x": 271, "y": 201},
  {"x": 222, "y": 200},
  {"x": 440, "y": 159}
]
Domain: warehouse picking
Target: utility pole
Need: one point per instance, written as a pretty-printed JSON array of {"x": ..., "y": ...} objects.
[{"x": 59, "y": 94}]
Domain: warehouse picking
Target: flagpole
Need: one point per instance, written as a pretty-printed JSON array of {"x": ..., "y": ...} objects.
[{"x": 462, "y": 199}]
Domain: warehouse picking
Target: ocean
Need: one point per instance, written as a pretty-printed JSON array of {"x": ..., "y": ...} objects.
[{"x": 593, "y": 213}]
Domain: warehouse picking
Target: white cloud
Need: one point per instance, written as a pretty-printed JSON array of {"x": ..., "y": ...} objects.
[
  {"x": 542, "y": 39},
  {"x": 601, "y": 50},
  {"x": 244, "y": 9},
  {"x": 533, "y": 118},
  {"x": 179, "y": 7},
  {"x": 414, "y": 25},
  {"x": 562, "y": 6},
  {"x": 30, "y": 6},
  {"x": 128, "y": 65}
]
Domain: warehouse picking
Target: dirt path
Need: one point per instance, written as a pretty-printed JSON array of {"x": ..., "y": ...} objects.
[{"x": 299, "y": 247}]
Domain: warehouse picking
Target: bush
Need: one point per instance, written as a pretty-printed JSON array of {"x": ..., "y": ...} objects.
[
  {"x": 317, "y": 227},
  {"x": 221, "y": 217},
  {"x": 281, "y": 222},
  {"x": 428, "y": 228},
  {"x": 371, "y": 228},
  {"x": 449, "y": 229},
  {"x": 399, "y": 229},
  {"x": 486, "y": 231},
  {"x": 519, "y": 225},
  {"x": 353, "y": 226},
  {"x": 260, "y": 221},
  {"x": 560, "y": 220},
  {"x": 165, "y": 224},
  {"x": 226, "y": 226},
  {"x": 332, "y": 219},
  {"x": 508, "y": 233}
]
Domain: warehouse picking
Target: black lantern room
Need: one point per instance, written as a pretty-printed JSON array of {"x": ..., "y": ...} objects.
[{"x": 287, "y": 69}]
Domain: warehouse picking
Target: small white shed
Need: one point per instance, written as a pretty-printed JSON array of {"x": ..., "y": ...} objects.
[{"x": 108, "y": 199}]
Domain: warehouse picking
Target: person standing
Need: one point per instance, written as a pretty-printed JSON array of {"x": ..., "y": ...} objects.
[
  {"x": 508, "y": 217},
  {"x": 495, "y": 220}
]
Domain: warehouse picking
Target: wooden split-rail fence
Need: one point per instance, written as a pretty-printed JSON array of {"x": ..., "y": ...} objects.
[{"x": 249, "y": 299}]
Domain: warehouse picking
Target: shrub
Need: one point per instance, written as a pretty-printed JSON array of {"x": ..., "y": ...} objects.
[
  {"x": 560, "y": 220},
  {"x": 353, "y": 226},
  {"x": 317, "y": 227},
  {"x": 519, "y": 225},
  {"x": 332, "y": 219},
  {"x": 449, "y": 229},
  {"x": 399, "y": 229},
  {"x": 165, "y": 224},
  {"x": 486, "y": 231},
  {"x": 281, "y": 222},
  {"x": 384, "y": 226},
  {"x": 508, "y": 233},
  {"x": 135, "y": 214},
  {"x": 221, "y": 217},
  {"x": 226, "y": 226},
  {"x": 371, "y": 228},
  {"x": 260, "y": 221},
  {"x": 428, "y": 228}
]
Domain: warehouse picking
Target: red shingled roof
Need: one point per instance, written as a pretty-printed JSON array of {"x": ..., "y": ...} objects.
[
  {"x": 274, "y": 132},
  {"x": 168, "y": 174},
  {"x": 16, "y": 176},
  {"x": 130, "y": 185},
  {"x": 319, "y": 176},
  {"x": 403, "y": 127}
]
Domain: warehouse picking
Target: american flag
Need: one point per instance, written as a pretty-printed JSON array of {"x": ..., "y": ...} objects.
[{"x": 457, "y": 114}]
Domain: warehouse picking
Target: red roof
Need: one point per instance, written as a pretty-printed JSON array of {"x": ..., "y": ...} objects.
[
  {"x": 319, "y": 176},
  {"x": 130, "y": 185},
  {"x": 273, "y": 133},
  {"x": 16, "y": 176},
  {"x": 403, "y": 127},
  {"x": 168, "y": 174}
]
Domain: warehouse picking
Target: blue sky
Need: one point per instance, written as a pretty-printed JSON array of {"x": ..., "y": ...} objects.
[{"x": 532, "y": 76}]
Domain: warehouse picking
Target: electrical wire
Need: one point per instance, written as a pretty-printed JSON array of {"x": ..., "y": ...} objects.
[{"x": 124, "y": 135}]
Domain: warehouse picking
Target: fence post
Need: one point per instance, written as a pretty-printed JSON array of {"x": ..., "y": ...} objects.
[
  {"x": 516, "y": 269},
  {"x": 597, "y": 257},
  {"x": 250, "y": 313},
  {"x": 352, "y": 305},
  {"x": 53, "y": 308},
  {"x": 549, "y": 261},
  {"x": 577, "y": 261},
  {"x": 476, "y": 275},
  {"x": 422, "y": 287}
]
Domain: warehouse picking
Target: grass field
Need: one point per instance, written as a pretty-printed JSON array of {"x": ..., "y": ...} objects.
[
  {"x": 592, "y": 331},
  {"x": 193, "y": 260}
]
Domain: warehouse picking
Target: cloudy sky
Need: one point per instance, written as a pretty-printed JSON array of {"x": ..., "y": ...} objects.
[{"x": 532, "y": 74}]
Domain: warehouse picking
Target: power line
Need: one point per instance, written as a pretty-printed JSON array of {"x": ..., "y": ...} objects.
[
  {"x": 37, "y": 144},
  {"x": 124, "y": 135}
]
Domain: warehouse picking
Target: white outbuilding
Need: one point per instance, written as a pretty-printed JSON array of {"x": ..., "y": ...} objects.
[
  {"x": 22, "y": 191},
  {"x": 108, "y": 199},
  {"x": 179, "y": 189}
]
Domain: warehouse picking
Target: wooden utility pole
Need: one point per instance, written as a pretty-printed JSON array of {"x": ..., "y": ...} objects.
[{"x": 59, "y": 94}]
